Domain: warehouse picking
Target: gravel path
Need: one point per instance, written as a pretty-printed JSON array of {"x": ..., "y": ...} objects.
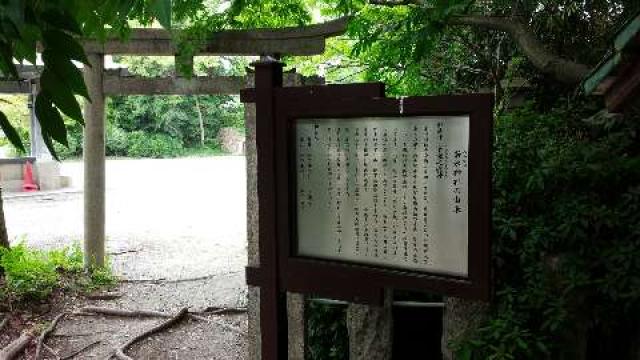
[
  {"x": 176, "y": 233},
  {"x": 166, "y": 219}
]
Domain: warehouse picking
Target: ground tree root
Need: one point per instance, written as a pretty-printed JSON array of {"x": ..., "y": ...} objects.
[
  {"x": 45, "y": 334},
  {"x": 77, "y": 352},
  {"x": 104, "y": 296},
  {"x": 91, "y": 310},
  {"x": 213, "y": 310},
  {"x": 51, "y": 351},
  {"x": 94, "y": 310},
  {"x": 14, "y": 349},
  {"x": 4, "y": 322},
  {"x": 119, "y": 353}
]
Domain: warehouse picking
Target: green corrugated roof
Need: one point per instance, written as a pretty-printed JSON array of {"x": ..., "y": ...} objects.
[{"x": 622, "y": 39}]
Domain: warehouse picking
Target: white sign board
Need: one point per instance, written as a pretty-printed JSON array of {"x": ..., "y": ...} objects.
[{"x": 389, "y": 192}]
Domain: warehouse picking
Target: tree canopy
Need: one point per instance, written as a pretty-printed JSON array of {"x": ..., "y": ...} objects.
[
  {"x": 566, "y": 176},
  {"x": 417, "y": 46}
]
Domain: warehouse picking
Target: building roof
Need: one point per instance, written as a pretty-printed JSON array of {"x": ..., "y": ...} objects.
[{"x": 617, "y": 77}]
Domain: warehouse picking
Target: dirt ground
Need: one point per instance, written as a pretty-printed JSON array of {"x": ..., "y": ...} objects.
[{"x": 176, "y": 238}]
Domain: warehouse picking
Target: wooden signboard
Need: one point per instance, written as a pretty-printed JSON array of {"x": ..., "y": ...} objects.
[{"x": 359, "y": 193}]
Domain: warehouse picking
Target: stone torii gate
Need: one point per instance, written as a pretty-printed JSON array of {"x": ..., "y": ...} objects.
[{"x": 309, "y": 40}]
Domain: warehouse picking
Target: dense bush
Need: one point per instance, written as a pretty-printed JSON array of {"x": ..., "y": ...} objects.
[
  {"x": 32, "y": 274},
  {"x": 75, "y": 142},
  {"x": 176, "y": 116},
  {"x": 142, "y": 144},
  {"x": 117, "y": 141},
  {"x": 327, "y": 337},
  {"x": 29, "y": 274},
  {"x": 566, "y": 237}
]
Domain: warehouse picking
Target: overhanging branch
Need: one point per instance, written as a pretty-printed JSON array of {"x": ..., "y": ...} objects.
[{"x": 563, "y": 70}]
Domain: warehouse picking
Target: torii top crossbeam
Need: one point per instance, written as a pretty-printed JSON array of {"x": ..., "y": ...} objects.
[{"x": 304, "y": 40}]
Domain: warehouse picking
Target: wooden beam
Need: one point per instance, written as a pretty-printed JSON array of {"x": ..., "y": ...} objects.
[
  {"x": 625, "y": 89},
  {"x": 305, "y": 40},
  {"x": 203, "y": 85},
  {"x": 15, "y": 87}
]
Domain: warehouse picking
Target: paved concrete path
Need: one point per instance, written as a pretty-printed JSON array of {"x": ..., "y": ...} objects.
[{"x": 176, "y": 232}]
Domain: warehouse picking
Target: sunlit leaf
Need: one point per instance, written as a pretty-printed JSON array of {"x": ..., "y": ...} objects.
[
  {"x": 162, "y": 11},
  {"x": 11, "y": 133}
]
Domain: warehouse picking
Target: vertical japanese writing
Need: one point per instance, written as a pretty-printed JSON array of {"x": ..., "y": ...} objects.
[
  {"x": 391, "y": 192},
  {"x": 459, "y": 160},
  {"x": 425, "y": 195}
]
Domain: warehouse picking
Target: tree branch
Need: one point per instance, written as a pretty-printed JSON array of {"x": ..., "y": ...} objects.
[{"x": 563, "y": 70}]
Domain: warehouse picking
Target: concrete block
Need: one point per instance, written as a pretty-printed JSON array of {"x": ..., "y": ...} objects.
[
  {"x": 47, "y": 175},
  {"x": 12, "y": 186},
  {"x": 49, "y": 183},
  {"x": 65, "y": 181},
  {"x": 10, "y": 172}
]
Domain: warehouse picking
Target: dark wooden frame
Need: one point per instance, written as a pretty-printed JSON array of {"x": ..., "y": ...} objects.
[
  {"x": 280, "y": 269},
  {"x": 365, "y": 283}
]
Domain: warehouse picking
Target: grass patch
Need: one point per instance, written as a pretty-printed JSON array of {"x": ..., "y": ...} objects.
[
  {"x": 204, "y": 152},
  {"x": 33, "y": 275}
]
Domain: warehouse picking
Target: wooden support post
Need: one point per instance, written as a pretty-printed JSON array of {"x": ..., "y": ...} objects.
[
  {"x": 94, "y": 164},
  {"x": 273, "y": 309}
]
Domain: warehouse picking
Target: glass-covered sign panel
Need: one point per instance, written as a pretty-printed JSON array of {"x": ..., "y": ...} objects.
[{"x": 390, "y": 192}]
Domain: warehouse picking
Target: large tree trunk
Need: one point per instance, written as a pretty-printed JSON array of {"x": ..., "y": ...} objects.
[{"x": 4, "y": 238}]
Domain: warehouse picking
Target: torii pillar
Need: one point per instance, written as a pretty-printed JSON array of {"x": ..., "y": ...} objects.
[{"x": 94, "y": 164}]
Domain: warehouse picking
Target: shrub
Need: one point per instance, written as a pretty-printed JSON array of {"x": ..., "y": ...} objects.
[
  {"x": 117, "y": 141},
  {"x": 32, "y": 274},
  {"x": 566, "y": 236},
  {"x": 142, "y": 144},
  {"x": 327, "y": 332},
  {"x": 75, "y": 141},
  {"x": 29, "y": 274}
]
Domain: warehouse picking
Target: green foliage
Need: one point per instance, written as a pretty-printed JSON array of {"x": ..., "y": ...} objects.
[
  {"x": 29, "y": 274},
  {"x": 117, "y": 142},
  {"x": 32, "y": 275},
  {"x": 99, "y": 278},
  {"x": 257, "y": 13},
  {"x": 327, "y": 336},
  {"x": 57, "y": 24},
  {"x": 567, "y": 232},
  {"x": 14, "y": 108},
  {"x": 143, "y": 144}
]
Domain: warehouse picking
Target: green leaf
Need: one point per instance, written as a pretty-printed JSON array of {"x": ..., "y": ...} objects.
[
  {"x": 15, "y": 12},
  {"x": 51, "y": 122},
  {"x": 66, "y": 71},
  {"x": 26, "y": 47},
  {"x": 11, "y": 132},
  {"x": 161, "y": 9},
  {"x": 6, "y": 61},
  {"x": 464, "y": 354},
  {"x": 49, "y": 143},
  {"x": 62, "y": 20},
  {"x": 60, "y": 95},
  {"x": 65, "y": 45}
]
